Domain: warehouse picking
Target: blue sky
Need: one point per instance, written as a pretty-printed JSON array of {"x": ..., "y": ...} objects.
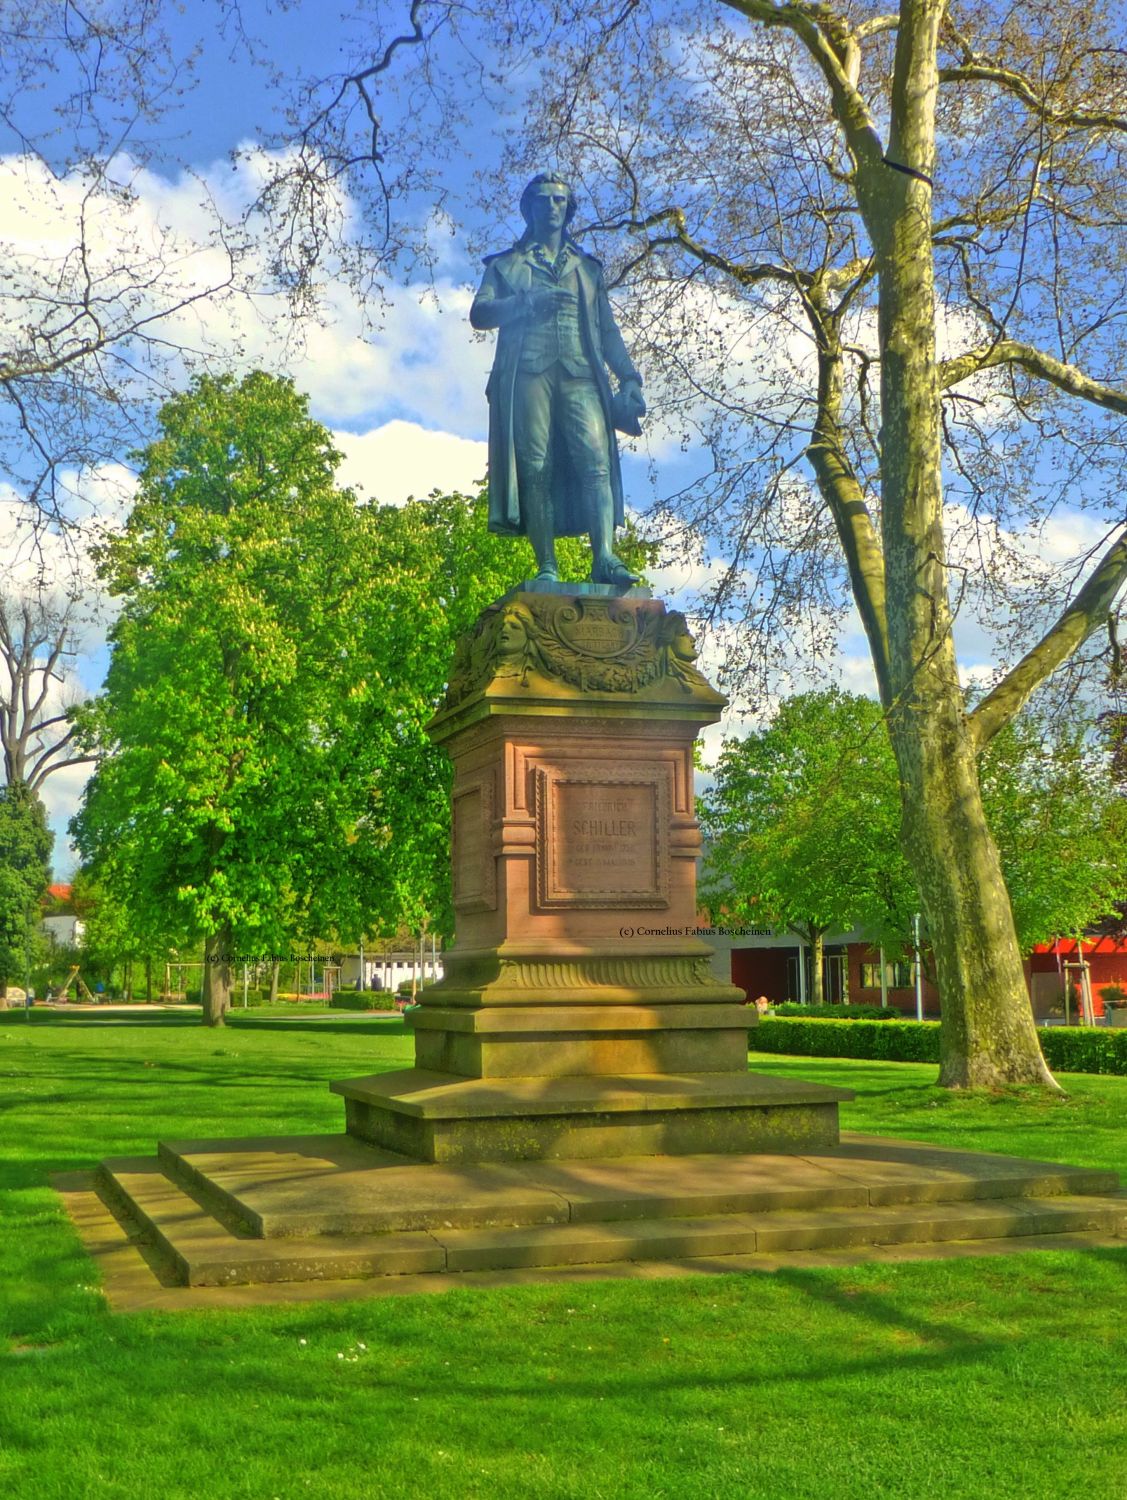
[{"x": 405, "y": 401}]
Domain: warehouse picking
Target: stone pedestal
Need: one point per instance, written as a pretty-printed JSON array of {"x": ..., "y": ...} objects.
[{"x": 578, "y": 1014}]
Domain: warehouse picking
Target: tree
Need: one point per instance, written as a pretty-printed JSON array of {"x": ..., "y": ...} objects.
[
  {"x": 224, "y": 803},
  {"x": 812, "y": 196},
  {"x": 800, "y": 825},
  {"x": 37, "y": 691},
  {"x": 1059, "y": 824},
  {"x": 92, "y": 321},
  {"x": 25, "y": 869},
  {"x": 264, "y": 774}
]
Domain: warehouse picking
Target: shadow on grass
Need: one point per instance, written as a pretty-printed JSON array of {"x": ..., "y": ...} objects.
[
  {"x": 87, "y": 1018},
  {"x": 357, "y": 1025},
  {"x": 392, "y": 1025}
]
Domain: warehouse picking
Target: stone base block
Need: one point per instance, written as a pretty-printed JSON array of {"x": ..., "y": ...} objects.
[
  {"x": 436, "y": 1117},
  {"x": 589, "y": 1040}
]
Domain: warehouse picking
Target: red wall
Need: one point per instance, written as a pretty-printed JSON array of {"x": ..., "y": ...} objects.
[{"x": 761, "y": 971}]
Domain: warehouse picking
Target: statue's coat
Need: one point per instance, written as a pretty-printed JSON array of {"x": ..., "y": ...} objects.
[{"x": 499, "y": 304}]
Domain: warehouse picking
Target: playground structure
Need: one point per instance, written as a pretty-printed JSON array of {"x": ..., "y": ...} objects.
[{"x": 62, "y": 992}]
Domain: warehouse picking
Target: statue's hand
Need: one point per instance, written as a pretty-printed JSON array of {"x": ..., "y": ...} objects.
[
  {"x": 543, "y": 302},
  {"x": 632, "y": 395}
]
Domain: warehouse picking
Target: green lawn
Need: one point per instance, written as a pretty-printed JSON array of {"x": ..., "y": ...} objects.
[{"x": 975, "y": 1378}]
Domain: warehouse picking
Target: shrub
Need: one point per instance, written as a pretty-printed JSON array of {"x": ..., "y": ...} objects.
[
  {"x": 363, "y": 1000},
  {"x": 837, "y": 1012},
  {"x": 1113, "y": 995},
  {"x": 1067, "y": 1049},
  {"x": 1085, "y": 1049},
  {"x": 910, "y": 1041},
  {"x": 194, "y": 996}
]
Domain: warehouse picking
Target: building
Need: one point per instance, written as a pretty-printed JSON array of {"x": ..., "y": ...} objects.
[
  {"x": 764, "y": 963},
  {"x": 61, "y": 925}
]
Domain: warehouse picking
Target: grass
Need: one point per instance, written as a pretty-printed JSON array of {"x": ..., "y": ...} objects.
[{"x": 967, "y": 1378}]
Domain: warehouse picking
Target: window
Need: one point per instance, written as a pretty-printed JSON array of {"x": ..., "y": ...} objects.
[{"x": 898, "y": 976}]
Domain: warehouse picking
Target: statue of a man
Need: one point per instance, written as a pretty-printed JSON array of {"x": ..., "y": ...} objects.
[{"x": 553, "y": 455}]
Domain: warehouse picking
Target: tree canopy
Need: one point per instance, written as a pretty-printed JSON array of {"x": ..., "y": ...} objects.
[
  {"x": 802, "y": 825},
  {"x": 25, "y": 869},
  {"x": 223, "y": 802},
  {"x": 264, "y": 774}
]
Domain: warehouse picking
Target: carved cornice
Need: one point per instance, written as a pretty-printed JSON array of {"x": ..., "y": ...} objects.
[{"x": 561, "y": 648}]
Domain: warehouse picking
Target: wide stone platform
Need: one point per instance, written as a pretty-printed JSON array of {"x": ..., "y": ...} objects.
[
  {"x": 330, "y": 1210},
  {"x": 438, "y": 1118}
]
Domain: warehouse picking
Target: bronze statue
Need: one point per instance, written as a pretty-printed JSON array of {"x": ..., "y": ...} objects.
[{"x": 553, "y": 455}]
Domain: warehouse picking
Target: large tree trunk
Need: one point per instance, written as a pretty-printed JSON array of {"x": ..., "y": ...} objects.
[
  {"x": 217, "y": 977},
  {"x": 275, "y": 969},
  {"x": 988, "y": 1034}
]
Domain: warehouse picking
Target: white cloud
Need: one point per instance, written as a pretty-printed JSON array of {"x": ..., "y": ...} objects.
[
  {"x": 157, "y": 243},
  {"x": 402, "y": 459},
  {"x": 61, "y": 794}
]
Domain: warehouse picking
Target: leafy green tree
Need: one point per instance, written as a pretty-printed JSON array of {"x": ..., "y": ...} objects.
[
  {"x": 25, "y": 869},
  {"x": 1060, "y": 826},
  {"x": 114, "y": 942},
  {"x": 265, "y": 774},
  {"x": 801, "y": 825},
  {"x": 227, "y": 802}
]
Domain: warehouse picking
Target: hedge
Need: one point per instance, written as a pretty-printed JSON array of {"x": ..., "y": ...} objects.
[
  {"x": 836, "y": 1012},
  {"x": 906, "y": 1041},
  {"x": 363, "y": 1000},
  {"x": 1067, "y": 1049},
  {"x": 1085, "y": 1049}
]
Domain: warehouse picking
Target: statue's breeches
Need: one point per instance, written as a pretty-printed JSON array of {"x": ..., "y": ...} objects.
[{"x": 554, "y": 410}]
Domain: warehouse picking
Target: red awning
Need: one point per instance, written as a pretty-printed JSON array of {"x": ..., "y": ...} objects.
[{"x": 1066, "y": 947}]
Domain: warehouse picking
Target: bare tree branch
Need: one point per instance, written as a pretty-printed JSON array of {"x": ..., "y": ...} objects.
[
  {"x": 1058, "y": 372},
  {"x": 35, "y": 638},
  {"x": 1086, "y": 613}
]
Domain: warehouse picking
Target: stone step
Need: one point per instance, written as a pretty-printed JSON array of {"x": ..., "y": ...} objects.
[
  {"x": 304, "y": 1186},
  {"x": 753, "y": 1234},
  {"x": 204, "y": 1252}
]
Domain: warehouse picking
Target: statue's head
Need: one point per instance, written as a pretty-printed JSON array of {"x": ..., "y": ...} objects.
[{"x": 546, "y": 184}]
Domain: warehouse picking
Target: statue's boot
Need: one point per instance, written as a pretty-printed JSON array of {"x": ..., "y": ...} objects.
[
  {"x": 539, "y": 525},
  {"x": 605, "y": 566}
]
